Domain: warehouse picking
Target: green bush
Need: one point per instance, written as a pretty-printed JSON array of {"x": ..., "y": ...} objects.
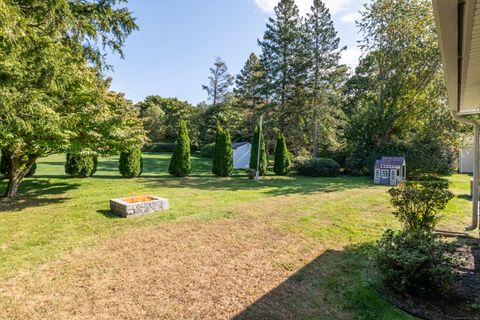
[
  {"x": 418, "y": 262},
  {"x": 418, "y": 203},
  {"x": 180, "y": 164},
  {"x": 4, "y": 167},
  {"x": 423, "y": 156},
  {"x": 223, "y": 155},
  {"x": 319, "y": 167},
  {"x": 81, "y": 165},
  {"x": 283, "y": 160},
  {"x": 131, "y": 163},
  {"x": 208, "y": 150},
  {"x": 338, "y": 154},
  {"x": 254, "y": 152},
  {"x": 216, "y": 153},
  {"x": 159, "y": 147}
]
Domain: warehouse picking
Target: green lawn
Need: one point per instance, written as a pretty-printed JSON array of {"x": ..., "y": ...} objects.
[{"x": 344, "y": 215}]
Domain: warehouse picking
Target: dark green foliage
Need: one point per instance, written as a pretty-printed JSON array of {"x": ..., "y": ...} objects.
[
  {"x": 338, "y": 154},
  {"x": 254, "y": 153},
  {"x": 226, "y": 160},
  {"x": 319, "y": 167},
  {"x": 416, "y": 262},
  {"x": 4, "y": 167},
  {"x": 418, "y": 203},
  {"x": 4, "y": 159},
  {"x": 283, "y": 160},
  {"x": 131, "y": 163},
  {"x": 81, "y": 165},
  {"x": 160, "y": 147},
  {"x": 208, "y": 150},
  {"x": 223, "y": 156},
  {"x": 180, "y": 164},
  {"x": 217, "y": 152}
]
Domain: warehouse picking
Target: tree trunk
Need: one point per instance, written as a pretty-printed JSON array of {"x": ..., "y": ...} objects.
[
  {"x": 315, "y": 133},
  {"x": 12, "y": 188},
  {"x": 16, "y": 173}
]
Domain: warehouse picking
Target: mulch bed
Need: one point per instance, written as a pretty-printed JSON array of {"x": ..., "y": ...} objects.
[{"x": 463, "y": 302}]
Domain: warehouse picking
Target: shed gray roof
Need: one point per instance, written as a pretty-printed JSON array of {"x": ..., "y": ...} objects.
[
  {"x": 236, "y": 145},
  {"x": 393, "y": 161}
]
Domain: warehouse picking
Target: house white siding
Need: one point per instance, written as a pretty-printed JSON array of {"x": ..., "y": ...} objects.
[{"x": 466, "y": 159}]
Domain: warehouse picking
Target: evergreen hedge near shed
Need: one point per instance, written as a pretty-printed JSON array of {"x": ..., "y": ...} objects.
[
  {"x": 319, "y": 167},
  {"x": 283, "y": 160},
  {"x": 180, "y": 164},
  {"x": 223, "y": 159},
  {"x": 131, "y": 163},
  {"x": 81, "y": 165},
  {"x": 254, "y": 153}
]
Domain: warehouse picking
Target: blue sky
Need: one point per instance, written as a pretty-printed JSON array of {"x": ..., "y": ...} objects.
[{"x": 178, "y": 40}]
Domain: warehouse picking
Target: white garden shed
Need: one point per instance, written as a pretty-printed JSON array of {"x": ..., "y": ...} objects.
[{"x": 241, "y": 154}]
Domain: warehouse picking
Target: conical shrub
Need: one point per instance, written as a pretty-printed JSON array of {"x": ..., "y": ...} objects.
[
  {"x": 226, "y": 155},
  {"x": 131, "y": 163},
  {"x": 283, "y": 160},
  {"x": 254, "y": 153},
  {"x": 218, "y": 150},
  {"x": 180, "y": 164}
]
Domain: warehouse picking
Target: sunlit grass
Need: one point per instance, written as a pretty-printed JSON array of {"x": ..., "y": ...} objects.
[{"x": 56, "y": 215}]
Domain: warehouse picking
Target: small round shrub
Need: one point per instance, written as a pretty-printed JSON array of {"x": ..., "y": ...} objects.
[
  {"x": 81, "y": 165},
  {"x": 131, "y": 163},
  {"x": 320, "y": 167},
  {"x": 412, "y": 261}
]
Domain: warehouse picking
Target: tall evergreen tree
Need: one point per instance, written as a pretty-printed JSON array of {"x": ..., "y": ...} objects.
[
  {"x": 249, "y": 85},
  {"x": 258, "y": 135},
  {"x": 285, "y": 63},
  {"x": 180, "y": 164},
  {"x": 226, "y": 155},
  {"x": 323, "y": 54},
  {"x": 220, "y": 82},
  {"x": 217, "y": 155},
  {"x": 283, "y": 160}
]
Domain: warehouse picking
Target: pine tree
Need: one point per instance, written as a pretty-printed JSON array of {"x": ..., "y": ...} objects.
[
  {"x": 250, "y": 93},
  {"x": 220, "y": 82},
  {"x": 218, "y": 151},
  {"x": 285, "y": 64},
  {"x": 254, "y": 152},
  {"x": 323, "y": 52},
  {"x": 283, "y": 160},
  {"x": 131, "y": 163},
  {"x": 180, "y": 164}
]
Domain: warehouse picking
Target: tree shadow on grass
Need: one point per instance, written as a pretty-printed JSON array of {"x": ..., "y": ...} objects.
[
  {"x": 333, "y": 286},
  {"x": 36, "y": 192},
  {"x": 271, "y": 185}
]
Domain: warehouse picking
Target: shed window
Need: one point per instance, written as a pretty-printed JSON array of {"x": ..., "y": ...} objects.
[
  {"x": 384, "y": 174},
  {"x": 377, "y": 173}
]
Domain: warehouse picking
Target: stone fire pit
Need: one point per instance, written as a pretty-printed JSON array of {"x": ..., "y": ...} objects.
[{"x": 132, "y": 206}]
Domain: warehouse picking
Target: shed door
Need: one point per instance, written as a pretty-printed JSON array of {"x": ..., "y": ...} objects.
[{"x": 393, "y": 177}]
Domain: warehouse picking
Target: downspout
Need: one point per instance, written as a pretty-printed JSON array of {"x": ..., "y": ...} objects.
[{"x": 476, "y": 167}]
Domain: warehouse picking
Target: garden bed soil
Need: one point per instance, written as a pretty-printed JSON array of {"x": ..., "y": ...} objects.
[{"x": 463, "y": 302}]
